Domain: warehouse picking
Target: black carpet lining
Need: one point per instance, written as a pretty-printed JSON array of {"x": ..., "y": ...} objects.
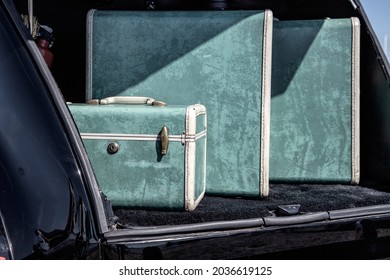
[{"x": 312, "y": 198}]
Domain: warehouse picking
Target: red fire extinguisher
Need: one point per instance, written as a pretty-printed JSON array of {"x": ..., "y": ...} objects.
[{"x": 44, "y": 41}]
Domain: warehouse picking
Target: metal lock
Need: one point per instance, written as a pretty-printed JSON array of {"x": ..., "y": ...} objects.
[
  {"x": 164, "y": 139},
  {"x": 112, "y": 148}
]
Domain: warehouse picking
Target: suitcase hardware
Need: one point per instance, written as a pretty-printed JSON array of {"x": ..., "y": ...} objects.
[
  {"x": 164, "y": 139},
  {"x": 131, "y": 100},
  {"x": 112, "y": 148}
]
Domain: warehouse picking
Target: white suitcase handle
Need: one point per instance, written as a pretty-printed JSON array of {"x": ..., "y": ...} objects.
[{"x": 131, "y": 100}]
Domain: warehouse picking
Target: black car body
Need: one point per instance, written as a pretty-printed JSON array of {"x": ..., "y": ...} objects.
[{"x": 51, "y": 206}]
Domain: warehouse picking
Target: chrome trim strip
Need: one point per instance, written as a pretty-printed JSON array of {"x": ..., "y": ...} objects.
[{"x": 141, "y": 137}]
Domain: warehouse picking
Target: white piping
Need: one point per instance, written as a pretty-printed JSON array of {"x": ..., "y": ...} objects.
[
  {"x": 266, "y": 103},
  {"x": 355, "y": 100}
]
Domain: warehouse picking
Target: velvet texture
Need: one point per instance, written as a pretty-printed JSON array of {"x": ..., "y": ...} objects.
[
  {"x": 138, "y": 176},
  {"x": 210, "y": 57},
  {"x": 312, "y": 198},
  {"x": 311, "y": 105}
]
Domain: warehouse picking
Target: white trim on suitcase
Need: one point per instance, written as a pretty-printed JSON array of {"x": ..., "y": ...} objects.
[
  {"x": 266, "y": 103},
  {"x": 190, "y": 158},
  {"x": 355, "y": 100}
]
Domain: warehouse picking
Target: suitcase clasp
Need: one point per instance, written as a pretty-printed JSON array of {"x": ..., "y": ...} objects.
[{"x": 164, "y": 139}]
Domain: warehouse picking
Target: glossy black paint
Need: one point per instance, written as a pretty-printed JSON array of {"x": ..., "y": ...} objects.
[
  {"x": 357, "y": 238},
  {"x": 5, "y": 253},
  {"x": 43, "y": 197}
]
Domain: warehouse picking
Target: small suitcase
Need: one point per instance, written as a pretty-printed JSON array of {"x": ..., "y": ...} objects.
[
  {"x": 221, "y": 59},
  {"x": 149, "y": 157},
  {"x": 315, "y": 101}
]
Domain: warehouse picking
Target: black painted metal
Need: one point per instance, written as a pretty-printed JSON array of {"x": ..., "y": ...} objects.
[{"x": 44, "y": 199}]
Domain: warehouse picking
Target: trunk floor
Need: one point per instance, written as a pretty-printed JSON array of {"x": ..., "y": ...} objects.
[{"x": 312, "y": 198}]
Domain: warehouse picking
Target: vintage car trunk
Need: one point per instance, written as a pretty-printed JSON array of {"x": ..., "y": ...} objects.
[{"x": 296, "y": 216}]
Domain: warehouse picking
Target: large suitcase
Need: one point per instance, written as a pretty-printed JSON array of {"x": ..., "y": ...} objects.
[
  {"x": 148, "y": 157},
  {"x": 315, "y": 101},
  {"x": 221, "y": 59}
]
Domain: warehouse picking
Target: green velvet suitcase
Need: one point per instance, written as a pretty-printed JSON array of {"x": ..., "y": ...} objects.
[
  {"x": 315, "y": 101},
  {"x": 221, "y": 59},
  {"x": 148, "y": 157}
]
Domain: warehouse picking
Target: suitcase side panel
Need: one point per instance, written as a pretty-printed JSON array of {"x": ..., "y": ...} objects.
[
  {"x": 199, "y": 57},
  {"x": 312, "y": 120},
  {"x": 137, "y": 176},
  {"x": 126, "y": 48}
]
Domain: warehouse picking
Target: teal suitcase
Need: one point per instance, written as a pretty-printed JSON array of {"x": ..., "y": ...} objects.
[
  {"x": 221, "y": 59},
  {"x": 146, "y": 157},
  {"x": 315, "y": 101}
]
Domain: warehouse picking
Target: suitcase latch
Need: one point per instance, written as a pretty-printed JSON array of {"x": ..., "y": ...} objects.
[{"x": 164, "y": 139}]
